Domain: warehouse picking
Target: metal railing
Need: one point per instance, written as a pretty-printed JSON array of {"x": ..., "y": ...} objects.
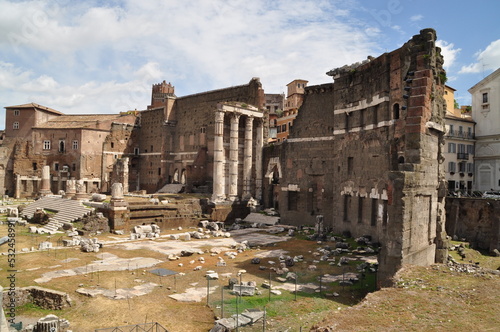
[
  {"x": 145, "y": 327},
  {"x": 464, "y": 193},
  {"x": 460, "y": 134}
]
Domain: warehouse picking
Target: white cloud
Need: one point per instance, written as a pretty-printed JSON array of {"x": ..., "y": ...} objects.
[
  {"x": 489, "y": 59},
  {"x": 90, "y": 58},
  {"x": 449, "y": 53},
  {"x": 416, "y": 18}
]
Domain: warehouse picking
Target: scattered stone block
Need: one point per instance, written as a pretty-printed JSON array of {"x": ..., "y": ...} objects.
[
  {"x": 187, "y": 252},
  {"x": 44, "y": 245}
]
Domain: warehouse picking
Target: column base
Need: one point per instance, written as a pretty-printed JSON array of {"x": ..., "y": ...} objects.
[
  {"x": 234, "y": 199},
  {"x": 45, "y": 192},
  {"x": 218, "y": 198}
]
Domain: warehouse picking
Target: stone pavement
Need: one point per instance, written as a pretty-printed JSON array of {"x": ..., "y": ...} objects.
[
  {"x": 120, "y": 293},
  {"x": 109, "y": 262},
  {"x": 194, "y": 294},
  {"x": 167, "y": 247}
]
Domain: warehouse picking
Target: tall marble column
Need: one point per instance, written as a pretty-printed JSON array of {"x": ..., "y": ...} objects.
[
  {"x": 45, "y": 186},
  {"x": 218, "y": 178},
  {"x": 247, "y": 160},
  {"x": 233, "y": 157},
  {"x": 259, "y": 143}
]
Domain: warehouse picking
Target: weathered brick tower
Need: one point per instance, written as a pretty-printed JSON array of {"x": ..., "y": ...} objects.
[{"x": 365, "y": 152}]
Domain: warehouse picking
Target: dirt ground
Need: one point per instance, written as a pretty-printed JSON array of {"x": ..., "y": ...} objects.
[
  {"x": 426, "y": 299},
  {"x": 69, "y": 269}
]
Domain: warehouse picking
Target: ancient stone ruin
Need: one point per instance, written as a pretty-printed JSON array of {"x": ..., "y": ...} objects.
[{"x": 365, "y": 152}]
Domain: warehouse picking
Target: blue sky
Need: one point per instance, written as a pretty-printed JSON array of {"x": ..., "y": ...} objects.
[{"x": 103, "y": 56}]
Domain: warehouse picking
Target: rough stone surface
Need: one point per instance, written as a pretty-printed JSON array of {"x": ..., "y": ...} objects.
[
  {"x": 476, "y": 220},
  {"x": 43, "y": 297},
  {"x": 367, "y": 155}
]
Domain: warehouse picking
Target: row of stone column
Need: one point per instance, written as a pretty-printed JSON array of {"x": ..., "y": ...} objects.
[{"x": 219, "y": 188}]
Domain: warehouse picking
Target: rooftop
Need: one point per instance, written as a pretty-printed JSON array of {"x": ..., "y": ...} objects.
[{"x": 33, "y": 105}]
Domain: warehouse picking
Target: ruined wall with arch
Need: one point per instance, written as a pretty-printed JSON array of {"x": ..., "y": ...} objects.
[{"x": 366, "y": 153}]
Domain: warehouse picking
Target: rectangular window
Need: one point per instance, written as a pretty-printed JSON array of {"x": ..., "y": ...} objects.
[
  {"x": 374, "y": 211},
  {"x": 385, "y": 214},
  {"x": 293, "y": 198},
  {"x": 461, "y": 167},
  {"x": 470, "y": 149},
  {"x": 15, "y": 125},
  {"x": 61, "y": 146},
  {"x": 347, "y": 203},
  {"x": 46, "y": 145},
  {"x": 470, "y": 168},
  {"x": 56, "y": 166},
  {"x": 485, "y": 97},
  {"x": 451, "y": 167},
  {"x": 73, "y": 167},
  {"x": 451, "y": 130},
  {"x": 350, "y": 162},
  {"x": 461, "y": 148},
  {"x": 35, "y": 166},
  {"x": 16, "y": 112},
  {"x": 361, "y": 201},
  {"x": 452, "y": 148},
  {"x": 75, "y": 145}
]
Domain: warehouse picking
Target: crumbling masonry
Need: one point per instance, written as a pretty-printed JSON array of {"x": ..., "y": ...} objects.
[{"x": 366, "y": 153}]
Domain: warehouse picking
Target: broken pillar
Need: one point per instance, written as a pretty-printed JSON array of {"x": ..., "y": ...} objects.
[
  {"x": 81, "y": 190},
  {"x": 118, "y": 213},
  {"x": 70, "y": 189},
  {"x": 45, "y": 185}
]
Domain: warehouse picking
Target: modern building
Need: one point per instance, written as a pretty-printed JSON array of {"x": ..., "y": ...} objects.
[
  {"x": 486, "y": 113},
  {"x": 294, "y": 99},
  {"x": 274, "y": 105},
  {"x": 459, "y": 149}
]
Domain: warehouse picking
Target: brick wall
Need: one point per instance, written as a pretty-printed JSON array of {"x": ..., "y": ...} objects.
[{"x": 365, "y": 153}]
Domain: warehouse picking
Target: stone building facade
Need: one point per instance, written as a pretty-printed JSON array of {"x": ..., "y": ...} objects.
[
  {"x": 459, "y": 150},
  {"x": 294, "y": 99},
  {"x": 486, "y": 112},
  {"x": 365, "y": 153},
  {"x": 73, "y": 146},
  {"x": 195, "y": 139},
  {"x": 188, "y": 140}
]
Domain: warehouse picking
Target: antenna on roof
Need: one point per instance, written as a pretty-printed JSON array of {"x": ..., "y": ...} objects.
[{"x": 484, "y": 65}]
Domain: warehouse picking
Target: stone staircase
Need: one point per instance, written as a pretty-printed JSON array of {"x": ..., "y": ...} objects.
[
  {"x": 65, "y": 211},
  {"x": 171, "y": 188}
]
